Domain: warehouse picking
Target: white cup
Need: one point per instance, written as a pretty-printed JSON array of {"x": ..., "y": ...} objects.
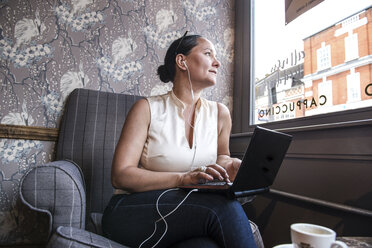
[
  {"x": 313, "y": 236},
  {"x": 284, "y": 246}
]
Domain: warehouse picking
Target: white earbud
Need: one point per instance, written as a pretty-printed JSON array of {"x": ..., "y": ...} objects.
[{"x": 184, "y": 62}]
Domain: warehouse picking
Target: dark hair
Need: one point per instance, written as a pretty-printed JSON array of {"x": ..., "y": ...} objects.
[{"x": 182, "y": 45}]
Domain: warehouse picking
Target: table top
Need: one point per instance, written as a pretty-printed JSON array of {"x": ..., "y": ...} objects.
[{"x": 354, "y": 242}]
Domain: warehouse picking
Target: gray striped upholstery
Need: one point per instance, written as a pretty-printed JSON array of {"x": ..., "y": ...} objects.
[
  {"x": 257, "y": 235},
  {"x": 57, "y": 189},
  {"x": 78, "y": 238},
  {"x": 89, "y": 131}
]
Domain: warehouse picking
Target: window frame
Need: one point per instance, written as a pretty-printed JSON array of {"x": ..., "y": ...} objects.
[{"x": 244, "y": 79}]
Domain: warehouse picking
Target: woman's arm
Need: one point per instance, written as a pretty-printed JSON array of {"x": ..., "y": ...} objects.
[
  {"x": 125, "y": 173},
  {"x": 224, "y": 129}
]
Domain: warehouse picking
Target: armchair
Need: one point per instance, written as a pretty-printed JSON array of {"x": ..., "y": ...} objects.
[{"x": 74, "y": 189}]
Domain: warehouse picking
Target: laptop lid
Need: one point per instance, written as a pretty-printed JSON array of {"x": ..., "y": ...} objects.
[
  {"x": 261, "y": 162},
  {"x": 260, "y": 165}
]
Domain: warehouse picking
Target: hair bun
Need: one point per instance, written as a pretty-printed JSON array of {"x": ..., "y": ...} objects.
[{"x": 164, "y": 74}]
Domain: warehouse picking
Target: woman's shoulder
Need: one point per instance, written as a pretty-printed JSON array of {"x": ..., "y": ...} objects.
[
  {"x": 223, "y": 111},
  {"x": 139, "y": 113},
  {"x": 208, "y": 102},
  {"x": 140, "y": 106},
  {"x": 221, "y": 108},
  {"x": 157, "y": 98}
]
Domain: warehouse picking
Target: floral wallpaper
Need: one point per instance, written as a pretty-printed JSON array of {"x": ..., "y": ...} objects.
[{"x": 50, "y": 47}]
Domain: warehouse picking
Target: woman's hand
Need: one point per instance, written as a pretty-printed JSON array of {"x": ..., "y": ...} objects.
[
  {"x": 205, "y": 174},
  {"x": 231, "y": 165}
]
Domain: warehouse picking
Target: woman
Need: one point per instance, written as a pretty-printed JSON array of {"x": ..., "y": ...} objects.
[{"x": 176, "y": 139}]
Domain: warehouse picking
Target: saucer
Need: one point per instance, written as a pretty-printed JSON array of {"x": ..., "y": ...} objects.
[{"x": 284, "y": 246}]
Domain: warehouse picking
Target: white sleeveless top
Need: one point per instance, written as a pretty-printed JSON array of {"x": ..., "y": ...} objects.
[{"x": 167, "y": 148}]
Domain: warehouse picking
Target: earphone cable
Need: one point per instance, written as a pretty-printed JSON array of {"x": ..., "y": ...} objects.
[
  {"x": 163, "y": 217},
  {"x": 192, "y": 96},
  {"x": 189, "y": 116}
]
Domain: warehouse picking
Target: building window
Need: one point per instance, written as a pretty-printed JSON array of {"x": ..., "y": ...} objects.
[
  {"x": 324, "y": 57},
  {"x": 351, "y": 47},
  {"x": 353, "y": 86},
  {"x": 350, "y": 21},
  {"x": 305, "y": 67},
  {"x": 325, "y": 96}
]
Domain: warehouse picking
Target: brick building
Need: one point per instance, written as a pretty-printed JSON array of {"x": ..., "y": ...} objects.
[
  {"x": 336, "y": 74},
  {"x": 337, "y": 66}
]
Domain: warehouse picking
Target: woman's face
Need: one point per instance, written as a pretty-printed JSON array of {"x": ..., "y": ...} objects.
[{"x": 203, "y": 64}]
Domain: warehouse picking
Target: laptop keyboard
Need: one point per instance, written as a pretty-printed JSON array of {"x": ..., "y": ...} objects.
[{"x": 214, "y": 183}]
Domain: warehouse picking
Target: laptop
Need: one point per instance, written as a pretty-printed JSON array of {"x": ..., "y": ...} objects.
[{"x": 259, "y": 167}]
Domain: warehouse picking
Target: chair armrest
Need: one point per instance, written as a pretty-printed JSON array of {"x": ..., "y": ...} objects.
[{"x": 58, "y": 189}]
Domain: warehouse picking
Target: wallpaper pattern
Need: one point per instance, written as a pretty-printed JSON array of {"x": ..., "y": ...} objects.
[{"x": 50, "y": 47}]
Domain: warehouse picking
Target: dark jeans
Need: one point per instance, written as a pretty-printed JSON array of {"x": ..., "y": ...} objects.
[{"x": 130, "y": 219}]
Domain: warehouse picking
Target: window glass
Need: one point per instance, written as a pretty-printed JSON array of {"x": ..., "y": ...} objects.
[{"x": 317, "y": 63}]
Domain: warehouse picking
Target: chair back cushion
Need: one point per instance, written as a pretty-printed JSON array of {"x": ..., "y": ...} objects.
[{"x": 89, "y": 131}]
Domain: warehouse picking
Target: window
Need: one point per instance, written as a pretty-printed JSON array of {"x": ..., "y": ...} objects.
[
  {"x": 351, "y": 47},
  {"x": 353, "y": 86},
  {"x": 319, "y": 63},
  {"x": 325, "y": 93},
  {"x": 324, "y": 57}
]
